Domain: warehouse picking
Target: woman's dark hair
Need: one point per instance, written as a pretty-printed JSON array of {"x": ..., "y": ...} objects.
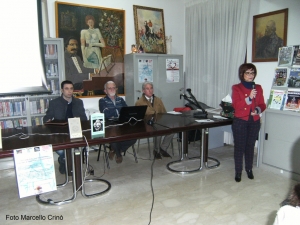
[
  {"x": 295, "y": 196},
  {"x": 244, "y": 67}
]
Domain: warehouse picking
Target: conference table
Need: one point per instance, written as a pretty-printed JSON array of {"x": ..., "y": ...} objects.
[{"x": 58, "y": 137}]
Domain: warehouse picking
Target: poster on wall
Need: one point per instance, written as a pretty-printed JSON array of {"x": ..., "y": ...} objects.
[
  {"x": 172, "y": 70},
  {"x": 145, "y": 70},
  {"x": 34, "y": 168}
]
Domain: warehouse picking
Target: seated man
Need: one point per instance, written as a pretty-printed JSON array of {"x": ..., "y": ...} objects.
[
  {"x": 111, "y": 105},
  {"x": 62, "y": 108},
  {"x": 155, "y": 105},
  {"x": 74, "y": 69}
]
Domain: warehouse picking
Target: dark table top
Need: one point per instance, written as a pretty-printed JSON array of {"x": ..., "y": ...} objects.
[{"x": 59, "y": 137}]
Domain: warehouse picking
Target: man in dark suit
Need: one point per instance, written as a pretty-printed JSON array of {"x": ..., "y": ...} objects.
[
  {"x": 74, "y": 69},
  {"x": 62, "y": 108}
]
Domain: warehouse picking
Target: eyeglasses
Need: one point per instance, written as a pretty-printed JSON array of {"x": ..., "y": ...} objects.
[
  {"x": 112, "y": 88},
  {"x": 249, "y": 73}
]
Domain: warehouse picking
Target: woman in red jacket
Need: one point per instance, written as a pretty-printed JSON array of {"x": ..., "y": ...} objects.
[{"x": 248, "y": 103}]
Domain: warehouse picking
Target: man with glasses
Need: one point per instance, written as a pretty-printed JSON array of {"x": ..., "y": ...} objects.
[
  {"x": 74, "y": 69},
  {"x": 111, "y": 105}
]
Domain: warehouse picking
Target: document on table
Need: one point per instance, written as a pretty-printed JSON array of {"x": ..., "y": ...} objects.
[
  {"x": 214, "y": 110},
  {"x": 220, "y": 117},
  {"x": 173, "y": 112},
  {"x": 204, "y": 121},
  {"x": 34, "y": 168}
]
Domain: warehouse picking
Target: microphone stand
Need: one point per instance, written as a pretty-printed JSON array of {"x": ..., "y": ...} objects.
[{"x": 192, "y": 100}]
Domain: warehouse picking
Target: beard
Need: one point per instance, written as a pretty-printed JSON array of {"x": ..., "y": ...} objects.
[{"x": 112, "y": 94}]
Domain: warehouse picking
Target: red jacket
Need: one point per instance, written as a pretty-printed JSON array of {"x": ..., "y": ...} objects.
[{"x": 243, "y": 106}]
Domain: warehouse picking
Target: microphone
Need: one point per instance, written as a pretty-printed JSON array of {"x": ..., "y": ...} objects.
[
  {"x": 151, "y": 121},
  {"x": 253, "y": 87}
]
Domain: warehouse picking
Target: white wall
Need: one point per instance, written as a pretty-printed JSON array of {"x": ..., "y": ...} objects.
[
  {"x": 266, "y": 69},
  {"x": 173, "y": 19}
]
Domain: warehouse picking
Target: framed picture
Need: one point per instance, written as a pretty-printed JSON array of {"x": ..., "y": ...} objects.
[
  {"x": 149, "y": 29},
  {"x": 269, "y": 34},
  {"x": 45, "y": 20},
  {"x": 100, "y": 34}
]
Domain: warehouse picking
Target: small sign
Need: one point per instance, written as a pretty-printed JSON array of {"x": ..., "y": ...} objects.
[
  {"x": 75, "y": 128},
  {"x": 97, "y": 124}
]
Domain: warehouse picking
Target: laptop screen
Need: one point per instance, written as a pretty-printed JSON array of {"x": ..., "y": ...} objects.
[{"x": 136, "y": 112}]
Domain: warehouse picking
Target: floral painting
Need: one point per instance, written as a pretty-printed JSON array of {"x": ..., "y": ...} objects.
[
  {"x": 149, "y": 29},
  {"x": 108, "y": 24}
]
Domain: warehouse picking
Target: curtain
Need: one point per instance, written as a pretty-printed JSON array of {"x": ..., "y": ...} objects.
[{"x": 216, "y": 40}]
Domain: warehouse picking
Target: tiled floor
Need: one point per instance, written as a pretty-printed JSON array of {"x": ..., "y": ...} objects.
[{"x": 209, "y": 197}]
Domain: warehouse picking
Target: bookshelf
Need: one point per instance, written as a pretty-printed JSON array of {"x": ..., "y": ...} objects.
[{"x": 28, "y": 110}]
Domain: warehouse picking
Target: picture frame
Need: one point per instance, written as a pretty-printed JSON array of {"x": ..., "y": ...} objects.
[
  {"x": 264, "y": 25},
  {"x": 149, "y": 29},
  {"x": 72, "y": 21},
  {"x": 46, "y": 32}
]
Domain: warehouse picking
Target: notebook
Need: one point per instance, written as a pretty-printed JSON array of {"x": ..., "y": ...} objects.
[{"x": 136, "y": 112}]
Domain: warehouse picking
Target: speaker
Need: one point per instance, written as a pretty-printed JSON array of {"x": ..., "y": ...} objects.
[{"x": 75, "y": 128}]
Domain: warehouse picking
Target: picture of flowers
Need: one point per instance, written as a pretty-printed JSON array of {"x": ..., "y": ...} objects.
[{"x": 149, "y": 29}]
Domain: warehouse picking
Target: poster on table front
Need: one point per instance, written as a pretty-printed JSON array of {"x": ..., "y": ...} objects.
[{"x": 34, "y": 167}]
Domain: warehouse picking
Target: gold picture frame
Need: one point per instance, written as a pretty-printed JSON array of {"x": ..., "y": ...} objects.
[
  {"x": 149, "y": 29},
  {"x": 71, "y": 21},
  {"x": 269, "y": 34}
]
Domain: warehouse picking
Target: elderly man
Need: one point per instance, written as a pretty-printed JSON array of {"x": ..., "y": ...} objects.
[
  {"x": 111, "y": 105},
  {"x": 155, "y": 105}
]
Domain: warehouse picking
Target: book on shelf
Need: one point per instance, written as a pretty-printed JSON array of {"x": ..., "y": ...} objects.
[
  {"x": 9, "y": 124},
  {"x": 4, "y": 107},
  {"x": 296, "y": 56},
  {"x": 16, "y": 123},
  {"x": 38, "y": 121},
  {"x": 294, "y": 78},
  {"x": 24, "y": 113},
  {"x": 280, "y": 77},
  {"x": 24, "y": 122},
  {"x": 292, "y": 101},
  {"x": 42, "y": 105},
  {"x": 285, "y": 56},
  {"x": 50, "y": 51},
  {"x": 276, "y": 99}
]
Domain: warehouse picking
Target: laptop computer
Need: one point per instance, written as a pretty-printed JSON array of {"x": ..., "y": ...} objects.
[{"x": 132, "y": 113}]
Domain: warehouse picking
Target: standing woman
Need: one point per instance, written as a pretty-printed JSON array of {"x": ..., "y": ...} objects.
[
  {"x": 91, "y": 41},
  {"x": 248, "y": 103}
]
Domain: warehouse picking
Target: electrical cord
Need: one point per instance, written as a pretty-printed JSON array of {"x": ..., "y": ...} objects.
[{"x": 151, "y": 183}]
